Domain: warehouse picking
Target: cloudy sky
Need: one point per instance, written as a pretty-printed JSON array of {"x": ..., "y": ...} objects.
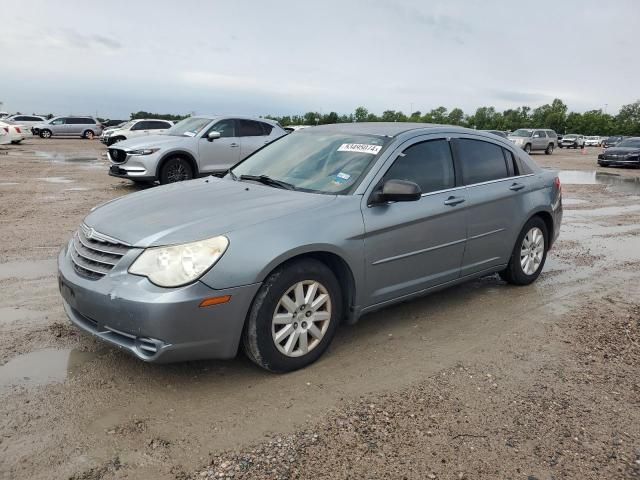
[{"x": 260, "y": 57}]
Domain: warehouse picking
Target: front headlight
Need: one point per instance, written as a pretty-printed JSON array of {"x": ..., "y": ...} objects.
[
  {"x": 178, "y": 265},
  {"x": 143, "y": 151}
]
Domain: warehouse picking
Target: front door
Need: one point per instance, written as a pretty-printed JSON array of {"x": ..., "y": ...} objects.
[
  {"x": 222, "y": 153},
  {"x": 539, "y": 140},
  {"x": 412, "y": 246}
]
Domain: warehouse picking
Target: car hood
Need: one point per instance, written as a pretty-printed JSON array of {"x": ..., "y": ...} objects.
[
  {"x": 153, "y": 141},
  {"x": 622, "y": 150},
  {"x": 194, "y": 210}
]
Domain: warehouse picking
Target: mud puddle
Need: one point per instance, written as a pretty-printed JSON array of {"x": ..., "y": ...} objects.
[
  {"x": 613, "y": 181},
  {"x": 89, "y": 159},
  {"x": 43, "y": 367},
  {"x": 55, "y": 180}
]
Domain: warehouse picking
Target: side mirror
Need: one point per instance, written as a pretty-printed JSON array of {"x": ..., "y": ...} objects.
[
  {"x": 213, "y": 135},
  {"x": 398, "y": 191}
]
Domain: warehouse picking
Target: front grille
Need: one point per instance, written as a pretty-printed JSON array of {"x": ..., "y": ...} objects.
[
  {"x": 95, "y": 254},
  {"x": 117, "y": 155}
]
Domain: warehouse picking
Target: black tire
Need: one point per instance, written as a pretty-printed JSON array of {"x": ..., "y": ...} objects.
[
  {"x": 16, "y": 142},
  {"x": 257, "y": 338},
  {"x": 514, "y": 274},
  {"x": 527, "y": 148},
  {"x": 45, "y": 133},
  {"x": 175, "y": 169},
  {"x": 549, "y": 149},
  {"x": 559, "y": 146},
  {"x": 88, "y": 134}
]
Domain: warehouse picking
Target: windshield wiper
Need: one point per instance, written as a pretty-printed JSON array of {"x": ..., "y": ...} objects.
[
  {"x": 267, "y": 180},
  {"x": 233, "y": 175}
]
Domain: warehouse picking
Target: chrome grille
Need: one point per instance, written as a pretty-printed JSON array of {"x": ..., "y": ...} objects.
[{"x": 95, "y": 254}]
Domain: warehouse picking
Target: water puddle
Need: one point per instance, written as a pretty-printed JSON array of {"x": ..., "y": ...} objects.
[
  {"x": 28, "y": 269},
  {"x": 613, "y": 181},
  {"x": 55, "y": 180},
  {"x": 43, "y": 367},
  {"x": 87, "y": 159}
]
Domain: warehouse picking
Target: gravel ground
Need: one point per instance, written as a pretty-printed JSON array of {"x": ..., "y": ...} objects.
[{"x": 482, "y": 380}]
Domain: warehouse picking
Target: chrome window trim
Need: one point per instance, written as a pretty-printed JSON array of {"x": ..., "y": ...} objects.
[{"x": 477, "y": 184}]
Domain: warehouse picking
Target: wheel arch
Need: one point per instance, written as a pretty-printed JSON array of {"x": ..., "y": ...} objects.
[
  {"x": 547, "y": 218},
  {"x": 178, "y": 153},
  {"x": 336, "y": 263}
]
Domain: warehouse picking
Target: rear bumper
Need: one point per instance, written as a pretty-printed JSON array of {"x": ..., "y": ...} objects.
[{"x": 158, "y": 325}]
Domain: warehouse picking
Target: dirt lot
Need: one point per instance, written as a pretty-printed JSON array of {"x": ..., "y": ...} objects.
[{"x": 482, "y": 380}]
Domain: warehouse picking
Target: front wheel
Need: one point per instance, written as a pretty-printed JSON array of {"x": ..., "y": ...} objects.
[
  {"x": 581, "y": 147},
  {"x": 45, "y": 133},
  {"x": 88, "y": 134},
  {"x": 529, "y": 254},
  {"x": 176, "y": 169},
  {"x": 549, "y": 149},
  {"x": 294, "y": 316}
]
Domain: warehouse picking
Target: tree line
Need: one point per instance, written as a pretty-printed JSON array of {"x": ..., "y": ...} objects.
[{"x": 554, "y": 115}]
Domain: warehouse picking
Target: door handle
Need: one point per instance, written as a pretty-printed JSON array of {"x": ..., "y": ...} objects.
[
  {"x": 453, "y": 201},
  {"x": 234, "y": 145},
  {"x": 516, "y": 186}
]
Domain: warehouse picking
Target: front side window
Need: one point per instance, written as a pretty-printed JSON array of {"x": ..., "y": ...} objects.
[
  {"x": 249, "y": 128},
  {"x": 480, "y": 161},
  {"x": 227, "y": 128},
  {"x": 429, "y": 164},
  {"x": 139, "y": 126},
  {"x": 323, "y": 162},
  {"x": 521, "y": 132},
  {"x": 57, "y": 121}
]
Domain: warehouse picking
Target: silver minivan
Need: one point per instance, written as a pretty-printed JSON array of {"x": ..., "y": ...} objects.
[
  {"x": 530, "y": 139},
  {"x": 317, "y": 228},
  {"x": 85, "y": 127}
]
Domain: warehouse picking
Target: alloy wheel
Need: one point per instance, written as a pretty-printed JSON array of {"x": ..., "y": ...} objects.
[
  {"x": 532, "y": 251},
  {"x": 301, "y": 318},
  {"x": 177, "y": 173}
]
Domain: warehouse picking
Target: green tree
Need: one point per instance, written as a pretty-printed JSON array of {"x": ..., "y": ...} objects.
[
  {"x": 628, "y": 119},
  {"x": 456, "y": 117},
  {"x": 361, "y": 114}
]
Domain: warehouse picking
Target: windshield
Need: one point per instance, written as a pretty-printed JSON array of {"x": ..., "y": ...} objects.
[
  {"x": 631, "y": 142},
  {"x": 125, "y": 126},
  {"x": 570, "y": 136},
  {"x": 324, "y": 162},
  {"x": 521, "y": 132},
  {"x": 189, "y": 127}
]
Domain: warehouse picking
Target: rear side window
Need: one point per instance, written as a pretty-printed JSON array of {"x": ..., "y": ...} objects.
[
  {"x": 429, "y": 164},
  {"x": 249, "y": 128},
  {"x": 512, "y": 166},
  {"x": 156, "y": 125},
  {"x": 480, "y": 161},
  {"x": 266, "y": 128},
  {"x": 79, "y": 121},
  {"x": 540, "y": 134}
]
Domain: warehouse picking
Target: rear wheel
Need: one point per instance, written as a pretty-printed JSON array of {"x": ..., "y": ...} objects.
[
  {"x": 45, "y": 133},
  {"x": 549, "y": 149},
  {"x": 527, "y": 148},
  {"x": 176, "y": 169},
  {"x": 529, "y": 254},
  {"x": 294, "y": 316}
]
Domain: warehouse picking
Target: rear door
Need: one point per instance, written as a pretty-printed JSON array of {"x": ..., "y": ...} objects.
[
  {"x": 495, "y": 201},
  {"x": 540, "y": 141},
  {"x": 222, "y": 153},
  {"x": 252, "y": 136},
  {"x": 412, "y": 246}
]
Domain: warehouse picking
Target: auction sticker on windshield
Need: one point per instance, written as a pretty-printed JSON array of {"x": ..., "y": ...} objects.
[{"x": 359, "y": 147}]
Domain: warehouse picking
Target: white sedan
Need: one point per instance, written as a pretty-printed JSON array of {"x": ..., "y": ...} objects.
[
  {"x": 4, "y": 136},
  {"x": 16, "y": 133},
  {"x": 593, "y": 141}
]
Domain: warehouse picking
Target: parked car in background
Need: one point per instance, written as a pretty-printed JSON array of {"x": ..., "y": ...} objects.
[
  {"x": 194, "y": 270},
  {"x": 530, "y": 139},
  {"x": 572, "y": 140},
  {"x": 195, "y": 146},
  {"x": 294, "y": 128},
  {"x": 27, "y": 121},
  {"x": 612, "y": 141},
  {"x": 500, "y": 133},
  {"x": 135, "y": 129},
  {"x": 15, "y": 132},
  {"x": 592, "y": 141},
  {"x": 71, "y": 126},
  {"x": 4, "y": 114},
  {"x": 113, "y": 123},
  {"x": 624, "y": 154},
  {"x": 4, "y": 135}
]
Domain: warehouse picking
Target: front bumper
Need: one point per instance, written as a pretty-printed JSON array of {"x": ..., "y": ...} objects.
[
  {"x": 603, "y": 162},
  {"x": 155, "y": 324}
]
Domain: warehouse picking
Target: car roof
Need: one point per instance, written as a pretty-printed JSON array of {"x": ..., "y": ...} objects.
[
  {"x": 384, "y": 129},
  {"x": 241, "y": 117}
]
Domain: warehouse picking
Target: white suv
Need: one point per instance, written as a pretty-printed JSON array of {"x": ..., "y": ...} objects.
[{"x": 135, "y": 129}]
